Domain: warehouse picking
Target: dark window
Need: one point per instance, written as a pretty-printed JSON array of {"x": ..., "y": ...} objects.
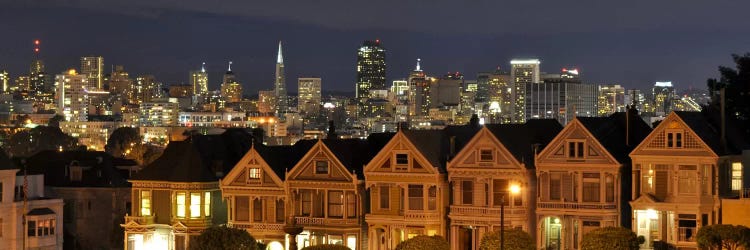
[
  {"x": 402, "y": 159},
  {"x": 485, "y": 155},
  {"x": 467, "y": 192},
  {"x": 321, "y": 167},
  {"x": 257, "y": 210},
  {"x": 280, "y": 211},
  {"x": 385, "y": 197}
]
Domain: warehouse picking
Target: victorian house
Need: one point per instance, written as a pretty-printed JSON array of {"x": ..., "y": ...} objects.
[
  {"x": 408, "y": 188},
  {"x": 583, "y": 178},
  {"x": 255, "y": 191},
  {"x": 28, "y": 218},
  {"x": 173, "y": 199},
  {"x": 675, "y": 187},
  {"x": 495, "y": 158}
]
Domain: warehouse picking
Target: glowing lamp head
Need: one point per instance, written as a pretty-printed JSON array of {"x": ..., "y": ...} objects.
[
  {"x": 515, "y": 189},
  {"x": 36, "y": 42},
  {"x": 72, "y": 72}
]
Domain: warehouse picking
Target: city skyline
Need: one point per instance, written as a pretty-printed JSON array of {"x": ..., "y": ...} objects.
[{"x": 634, "y": 58}]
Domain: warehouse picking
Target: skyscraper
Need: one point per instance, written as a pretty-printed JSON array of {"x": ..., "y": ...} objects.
[
  {"x": 370, "y": 69},
  {"x": 93, "y": 68},
  {"x": 4, "y": 80},
  {"x": 663, "y": 93},
  {"x": 199, "y": 80},
  {"x": 120, "y": 82},
  {"x": 419, "y": 91},
  {"x": 611, "y": 99},
  {"x": 280, "y": 86},
  {"x": 71, "y": 96},
  {"x": 231, "y": 90},
  {"x": 309, "y": 98},
  {"x": 146, "y": 88},
  {"x": 522, "y": 72},
  {"x": 497, "y": 95}
]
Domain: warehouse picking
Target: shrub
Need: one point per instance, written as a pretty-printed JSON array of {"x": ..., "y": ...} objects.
[
  {"x": 326, "y": 247},
  {"x": 424, "y": 242},
  {"x": 613, "y": 238},
  {"x": 223, "y": 238},
  {"x": 513, "y": 239}
]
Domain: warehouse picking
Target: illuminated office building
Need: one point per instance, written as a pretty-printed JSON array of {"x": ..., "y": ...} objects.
[
  {"x": 93, "y": 68},
  {"x": 370, "y": 68},
  {"x": 309, "y": 99},
  {"x": 5, "y": 80},
  {"x": 522, "y": 73},
  {"x": 282, "y": 101},
  {"x": 663, "y": 93},
  {"x": 199, "y": 80},
  {"x": 71, "y": 97},
  {"x": 611, "y": 99},
  {"x": 120, "y": 82},
  {"x": 231, "y": 90}
]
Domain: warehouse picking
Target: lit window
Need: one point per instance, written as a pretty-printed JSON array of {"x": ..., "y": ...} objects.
[
  {"x": 146, "y": 203},
  {"x": 253, "y": 174},
  {"x": 736, "y": 176},
  {"x": 321, "y": 167},
  {"x": 180, "y": 200},
  {"x": 207, "y": 203},
  {"x": 485, "y": 155},
  {"x": 195, "y": 205}
]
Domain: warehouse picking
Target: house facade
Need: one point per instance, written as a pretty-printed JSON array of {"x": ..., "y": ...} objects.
[
  {"x": 582, "y": 176},
  {"x": 481, "y": 176},
  {"x": 28, "y": 219},
  {"x": 675, "y": 181},
  {"x": 408, "y": 189},
  {"x": 173, "y": 199}
]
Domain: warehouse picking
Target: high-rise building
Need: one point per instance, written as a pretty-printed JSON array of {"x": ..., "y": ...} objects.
[
  {"x": 199, "y": 80},
  {"x": 522, "y": 72},
  {"x": 145, "y": 89},
  {"x": 446, "y": 91},
  {"x": 309, "y": 100},
  {"x": 370, "y": 69},
  {"x": 611, "y": 99},
  {"x": 93, "y": 68},
  {"x": 266, "y": 101},
  {"x": 419, "y": 91},
  {"x": 282, "y": 101},
  {"x": 159, "y": 112},
  {"x": 663, "y": 93},
  {"x": 5, "y": 80},
  {"x": 71, "y": 96},
  {"x": 498, "y": 96},
  {"x": 120, "y": 82},
  {"x": 635, "y": 98},
  {"x": 560, "y": 100},
  {"x": 231, "y": 90}
]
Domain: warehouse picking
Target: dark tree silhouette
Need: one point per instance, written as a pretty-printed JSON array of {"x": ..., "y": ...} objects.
[
  {"x": 223, "y": 238},
  {"x": 736, "y": 82},
  {"x": 40, "y": 138}
]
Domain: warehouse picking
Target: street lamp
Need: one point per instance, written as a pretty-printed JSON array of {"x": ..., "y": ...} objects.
[{"x": 513, "y": 189}]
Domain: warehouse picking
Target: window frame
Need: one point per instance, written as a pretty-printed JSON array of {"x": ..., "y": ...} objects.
[
  {"x": 384, "y": 199},
  {"x": 146, "y": 210},
  {"x": 319, "y": 166},
  {"x": 401, "y": 166},
  {"x": 674, "y": 138},
  {"x": 180, "y": 209},
  {"x": 486, "y": 152},
  {"x": 254, "y": 174},
  {"x": 575, "y": 149}
]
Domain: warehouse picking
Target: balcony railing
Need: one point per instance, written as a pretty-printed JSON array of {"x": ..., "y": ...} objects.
[
  {"x": 421, "y": 215},
  {"x": 313, "y": 221},
  {"x": 258, "y": 226},
  {"x": 484, "y": 211},
  {"x": 745, "y": 193},
  {"x": 142, "y": 220},
  {"x": 575, "y": 205},
  {"x": 686, "y": 234}
]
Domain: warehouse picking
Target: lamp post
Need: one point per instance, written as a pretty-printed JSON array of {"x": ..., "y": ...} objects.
[{"x": 513, "y": 189}]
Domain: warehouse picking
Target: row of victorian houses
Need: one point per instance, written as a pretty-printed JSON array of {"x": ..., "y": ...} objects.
[{"x": 663, "y": 183}]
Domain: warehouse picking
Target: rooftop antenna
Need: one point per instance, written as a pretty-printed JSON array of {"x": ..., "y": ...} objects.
[
  {"x": 203, "y": 67},
  {"x": 230, "y": 66},
  {"x": 418, "y": 67}
]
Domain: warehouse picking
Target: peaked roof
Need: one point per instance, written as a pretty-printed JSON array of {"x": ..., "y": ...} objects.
[
  {"x": 354, "y": 154},
  {"x": 282, "y": 158},
  {"x": 522, "y": 140},
  {"x": 225, "y": 149},
  {"x": 432, "y": 144},
  {"x": 180, "y": 162},
  {"x": 707, "y": 125},
  {"x": 99, "y": 168},
  {"x": 611, "y": 132}
]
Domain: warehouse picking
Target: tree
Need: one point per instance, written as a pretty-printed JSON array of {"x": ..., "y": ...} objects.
[
  {"x": 719, "y": 236},
  {"x": 513, "y": 239},
  {"x": 123, "y": 141},
  {"x": 326, "y": 247},
  {"x": 424, "y": 242},
  {"x": 40, "y": 138},
  {"x": 613, "y": 238},
  {"x": 223, "y": 238},
  {"x": 736, "y": 82}
]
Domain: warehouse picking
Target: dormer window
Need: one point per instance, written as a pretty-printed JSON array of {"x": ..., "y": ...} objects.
[
  {"x": 575, "y": 149},
  {"x": 674, "y": 138},
  {"x": 486, "y": 155},
  {"x": 253, "y": 174},
  {"x": 321, "y": 167}
]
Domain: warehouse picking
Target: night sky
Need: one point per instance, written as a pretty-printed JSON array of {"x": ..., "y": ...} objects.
[{"x": 633, "y": 43}]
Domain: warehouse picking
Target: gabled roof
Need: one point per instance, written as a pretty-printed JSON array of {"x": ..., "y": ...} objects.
[
  {"x": 707, "y": 125},
  {"x": 354, "y": 154},
  {"x": 99, "y": 168},
  {"x": 224, "y": 149},
  {"x": 180, "y": 162},
  {"x": 611, "y": 132},
  {"x": 461, "y": 135},
  {"x": 522, "y": 140},
  {"x": 432, "y": 144},
  {"x": 282, "y": 158}
]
